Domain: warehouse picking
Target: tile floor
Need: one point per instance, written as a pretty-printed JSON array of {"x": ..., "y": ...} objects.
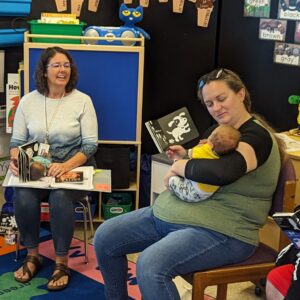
[{"x": 236, "y": 291}]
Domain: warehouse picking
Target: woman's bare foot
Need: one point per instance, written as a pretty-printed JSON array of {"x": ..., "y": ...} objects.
[{"x": 61, "y": 274}]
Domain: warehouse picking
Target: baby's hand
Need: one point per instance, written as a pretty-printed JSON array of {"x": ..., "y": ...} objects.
[{"x": 201, "y": 142}]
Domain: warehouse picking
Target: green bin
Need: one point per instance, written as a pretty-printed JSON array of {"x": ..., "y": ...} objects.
[
  {"x": 123, "y": 205},
  {"x": 56, "y": 29}
]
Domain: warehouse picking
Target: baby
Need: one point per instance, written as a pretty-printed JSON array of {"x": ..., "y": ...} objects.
[
  {"x": 38, "y": 167},
  {"x": 222, "y": 140}
]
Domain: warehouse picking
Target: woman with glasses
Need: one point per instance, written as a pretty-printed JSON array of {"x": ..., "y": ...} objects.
[
  {"x": 175, "y": 237},
  {"x": 63, "y": 120}
]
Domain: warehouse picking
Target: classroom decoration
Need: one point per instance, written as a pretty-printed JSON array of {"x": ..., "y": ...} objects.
[
  {"x": 178, "y": 6},
  {"x": 144, "y": 3},
  {"x": 288, "y": 54},
  {"x": 272, "y": 29},
  {"x": 297, "y": 33},
  {"x": 61, "y": 5},
  {"x": 295, "y": 99},
  {"x": 289, "y": 9},
  {"x": 130, "y": 16},
  {"x": 257, "y": 8},
  {"x": 204, "y": 10},
  {"x": 93, "y": 5},
  {"x": 76, "y": 6}
]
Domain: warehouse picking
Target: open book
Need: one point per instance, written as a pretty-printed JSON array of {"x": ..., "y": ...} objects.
[
  {"x": 52, "y": 183},
  {"x": 176, "y": 128},
  {"x": 290, "y": 224}
]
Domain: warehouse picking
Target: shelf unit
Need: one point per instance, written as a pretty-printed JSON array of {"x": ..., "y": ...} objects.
[{"x": 112, "y": 75}]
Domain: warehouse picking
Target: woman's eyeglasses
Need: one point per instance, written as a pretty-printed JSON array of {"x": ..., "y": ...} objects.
[
  {"x": 66, "y": 65},
  {"x": 203, "y": 80}
]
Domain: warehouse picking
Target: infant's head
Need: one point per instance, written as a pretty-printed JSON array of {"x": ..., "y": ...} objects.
[
  {"x": 37, "y": 170},
  {"x": 224, "y": 139}
]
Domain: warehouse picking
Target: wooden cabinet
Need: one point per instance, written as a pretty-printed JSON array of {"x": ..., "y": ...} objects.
[{"x": 112, "y": 76}]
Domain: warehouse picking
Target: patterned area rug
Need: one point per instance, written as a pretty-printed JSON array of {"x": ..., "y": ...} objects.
[{"x": 86, "y": 280}]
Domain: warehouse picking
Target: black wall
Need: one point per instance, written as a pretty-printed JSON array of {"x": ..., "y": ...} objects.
[{"x": 179, "y": 52}]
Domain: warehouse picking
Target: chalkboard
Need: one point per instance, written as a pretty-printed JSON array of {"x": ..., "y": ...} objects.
[{"x": 111, "y": 79}]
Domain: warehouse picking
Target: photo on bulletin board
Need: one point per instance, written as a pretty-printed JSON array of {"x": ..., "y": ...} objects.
[
  {"x": 297, "y": 33},
  {"x": 287, "y": 54},
  {"x": 272, "y": 29},
  {"x": 289, "y": 9},
  {"x": 257, "y": 8}
]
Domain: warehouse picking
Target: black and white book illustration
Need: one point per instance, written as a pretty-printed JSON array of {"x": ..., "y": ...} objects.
[
  {"x": 26, "y": 152},
  {"x": 176, "y": 128},
  {"x": 290, "y": 225}
]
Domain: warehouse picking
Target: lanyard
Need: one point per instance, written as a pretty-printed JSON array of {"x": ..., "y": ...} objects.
[{"x": 52, "y": 117}]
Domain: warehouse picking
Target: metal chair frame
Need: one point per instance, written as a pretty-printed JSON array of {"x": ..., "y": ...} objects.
[{"x": 84, "y": 208}]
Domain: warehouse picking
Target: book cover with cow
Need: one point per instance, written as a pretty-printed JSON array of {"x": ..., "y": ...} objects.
[{"x": 176, "y": 128}]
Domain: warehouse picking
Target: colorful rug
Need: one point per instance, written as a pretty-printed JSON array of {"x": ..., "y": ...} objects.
[{"x": 86, "y": 280}]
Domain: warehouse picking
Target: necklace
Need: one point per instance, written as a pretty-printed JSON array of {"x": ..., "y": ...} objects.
[{"x": 52, "y": 117}]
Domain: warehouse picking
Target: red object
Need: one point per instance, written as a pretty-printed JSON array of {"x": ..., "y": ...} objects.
[
  {"x": 45, "y": 214},
  {"x": 281, "y": 278}
]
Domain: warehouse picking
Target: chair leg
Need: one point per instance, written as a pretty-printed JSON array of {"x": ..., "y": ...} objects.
[
  {"x": 85, "y": 235},
  {"x": 90, "y": 218},
  {"x": 18, "y": 242},
  {"x": 221, "y": 292},
  {"x": 198, "y": 291}
]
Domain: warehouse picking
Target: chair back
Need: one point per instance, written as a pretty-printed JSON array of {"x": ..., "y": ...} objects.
[{"x": 287, "y": 173}]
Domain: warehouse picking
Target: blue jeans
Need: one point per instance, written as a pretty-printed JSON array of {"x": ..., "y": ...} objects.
[
  {"x": 27, "y": 211},
  {"x": 167, "y": 250}
]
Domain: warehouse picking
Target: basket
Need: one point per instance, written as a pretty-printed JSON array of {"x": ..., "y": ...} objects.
[
  {"x": 112, "y": 210},
  {"x": 56, "y": 29}
]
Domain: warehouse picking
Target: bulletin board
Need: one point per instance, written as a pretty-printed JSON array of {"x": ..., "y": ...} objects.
[{"x": 112, "y": 76}]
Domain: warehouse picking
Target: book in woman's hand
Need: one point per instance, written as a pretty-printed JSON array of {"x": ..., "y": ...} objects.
[{"x": 289, "y": 222}]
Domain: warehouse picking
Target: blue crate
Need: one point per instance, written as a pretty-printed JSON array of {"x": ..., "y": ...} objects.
[
  {"x": 15, "y": 7},
  {"x": 11, "y": 37}
]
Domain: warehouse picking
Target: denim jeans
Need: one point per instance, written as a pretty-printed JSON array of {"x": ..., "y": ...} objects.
[
  {"x": 167, "y": 250},
  {"x": 27, "y": 211}
]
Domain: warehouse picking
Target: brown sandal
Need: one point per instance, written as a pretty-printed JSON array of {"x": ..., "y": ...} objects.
[
  {"x": 63, "y": 271},
  {"x": 36, "y": 261}
]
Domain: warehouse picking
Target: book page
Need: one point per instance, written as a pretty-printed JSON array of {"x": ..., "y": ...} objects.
[
  {"x": 291, "y": 144},
  {"x": 87, "y": 183}
]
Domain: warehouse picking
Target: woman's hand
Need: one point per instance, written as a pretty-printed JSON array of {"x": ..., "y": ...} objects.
[
  {"x": 57, "y": 169},
  {"x": 176, "y": 152},
  {"x": 13, "y": 165}
]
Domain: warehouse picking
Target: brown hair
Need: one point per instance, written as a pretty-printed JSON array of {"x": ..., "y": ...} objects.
[
  {"x": 225, "y": 139},
  {"x": 41, "y": 69},
  {"x": 235, "y": 83}
]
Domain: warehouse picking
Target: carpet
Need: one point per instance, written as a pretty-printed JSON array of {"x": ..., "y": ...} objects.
[{"x": 86, "y": 280}]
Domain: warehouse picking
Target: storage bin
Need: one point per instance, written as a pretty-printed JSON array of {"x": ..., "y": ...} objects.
[
  {"x": 56, "y": 29},
  {"x": 15, "y": 7},
  {"x": 79, "y": 216},
  {"x": 123, "y": 204},
  {"x": 11, "y": 37}
]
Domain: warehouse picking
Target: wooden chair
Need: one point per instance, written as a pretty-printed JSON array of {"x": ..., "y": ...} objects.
[{"x": 262, "y": 261}]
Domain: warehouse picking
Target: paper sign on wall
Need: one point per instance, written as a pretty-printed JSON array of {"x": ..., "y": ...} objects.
[
  {"x": 12, "y": 99},
  {"x": 204, "y": 10},
  {"x": 93, "y": 5},
  {"x": 76, "y": 6},
  {"x": 128, "y": 1},
  {"x": 61, "y": 5},
  {"x": 163, "y": 1},
  {"x": 178, "y": 6},
  {"x": 144, "y": 3}
]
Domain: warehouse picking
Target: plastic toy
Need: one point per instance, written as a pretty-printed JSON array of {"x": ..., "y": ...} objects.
[
  {"x": 295, "y": 99},
  {"x": 130, "y": 16}
]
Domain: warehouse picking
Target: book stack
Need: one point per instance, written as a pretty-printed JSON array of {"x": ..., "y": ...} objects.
[{"x": 58, "y": 18}]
